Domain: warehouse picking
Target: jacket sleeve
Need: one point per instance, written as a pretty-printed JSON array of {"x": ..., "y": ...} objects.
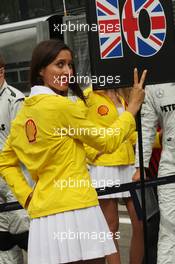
[
  {"x": 133, "y": 138},
  {"x": 11, "y": 172},
  {"x": 149, "y": 126},
  {"x": 91, "y": 153},
  {"x": 103, "y": 139}
]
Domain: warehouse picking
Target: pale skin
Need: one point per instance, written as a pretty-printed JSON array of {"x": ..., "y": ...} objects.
[{"x": 61, "y": 68}]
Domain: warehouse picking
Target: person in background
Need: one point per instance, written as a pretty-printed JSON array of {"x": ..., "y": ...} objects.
[
  {"x": 13, "y": 225},
  {"x": 56, "y": 158},
  {"x": 159, "y": 109},
  {"x": 103, "y": 107}
]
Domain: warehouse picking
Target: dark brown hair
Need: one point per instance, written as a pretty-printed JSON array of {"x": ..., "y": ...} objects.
[
  {"x": 44, "y": 53},
  {"x": 2, "y": 61}
]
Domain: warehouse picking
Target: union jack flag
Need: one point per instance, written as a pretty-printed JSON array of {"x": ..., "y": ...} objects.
[
  {"x": 144, "y": 47},
  {"x": 109, "y": 29}
]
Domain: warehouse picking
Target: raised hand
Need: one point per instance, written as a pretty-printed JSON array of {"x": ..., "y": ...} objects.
[{"x": 137, "y": 93}]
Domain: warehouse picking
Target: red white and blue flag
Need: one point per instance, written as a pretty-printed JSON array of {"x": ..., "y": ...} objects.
[
  {"x": 144, "y": 47},
  {"x": 108, "y": 20}
]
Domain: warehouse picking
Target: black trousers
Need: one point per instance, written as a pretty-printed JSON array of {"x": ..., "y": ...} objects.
[{"x": 8, "y": 240}]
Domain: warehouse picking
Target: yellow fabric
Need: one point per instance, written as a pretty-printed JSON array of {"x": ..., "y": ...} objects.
[
  {"x": 133, "y": 138},
  {"x": 157, "y": 143},
  {"x": 54, "y": 159},
  {"x": 13, "y": 175},
  {"x": 124, "y": 155}
]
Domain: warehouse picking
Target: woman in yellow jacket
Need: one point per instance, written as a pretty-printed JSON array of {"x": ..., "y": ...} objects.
[
  {"x": 47, "y": 136},
  {"x": 104, "y": 106}
]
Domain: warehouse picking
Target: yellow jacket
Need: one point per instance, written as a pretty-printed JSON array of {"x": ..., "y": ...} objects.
[
  {"x": 102, "y": 111},
  {"x": 41, "y": 137}
]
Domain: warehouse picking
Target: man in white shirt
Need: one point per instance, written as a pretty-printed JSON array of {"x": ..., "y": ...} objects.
[
  {"x": 14, "y": 225},
  {"x": 159, "y": 108}
]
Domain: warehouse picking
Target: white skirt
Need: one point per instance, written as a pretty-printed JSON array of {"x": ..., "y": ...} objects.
[
  {"x": 107, "y": 176},
  {"x": 69, "y": 236}
]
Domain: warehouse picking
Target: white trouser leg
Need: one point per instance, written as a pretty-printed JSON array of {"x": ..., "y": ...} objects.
[{"x": 166, "y": 243}]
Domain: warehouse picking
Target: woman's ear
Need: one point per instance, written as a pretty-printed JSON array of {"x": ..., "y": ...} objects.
[{"x": 41, "y": 72}]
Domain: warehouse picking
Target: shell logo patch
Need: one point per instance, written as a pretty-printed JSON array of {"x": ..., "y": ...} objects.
[
  {"x": 31, "y": 130},
  {"x": 103, "y": 110}
]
